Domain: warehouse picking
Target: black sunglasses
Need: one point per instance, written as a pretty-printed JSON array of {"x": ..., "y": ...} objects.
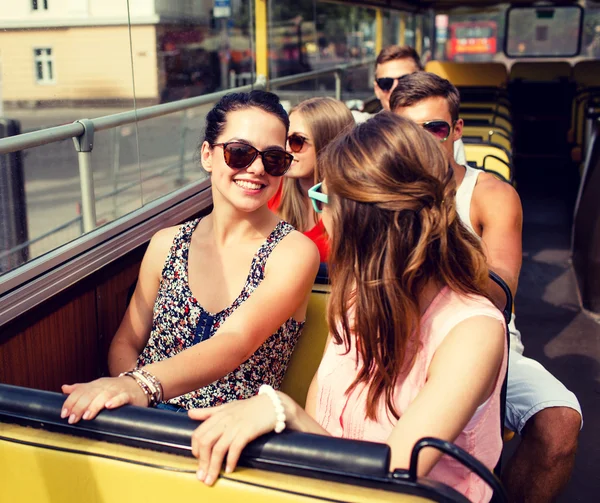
[
  {"x": 296, "y": 142},
  {"x": 386, "y": 83},
  {"x": 439, "y": 129},
  {"x": 240, "y": 155}
]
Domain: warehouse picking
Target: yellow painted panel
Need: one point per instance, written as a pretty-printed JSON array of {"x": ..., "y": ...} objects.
[
  {"x": 262, "y": 37},
  {"x": 378, "y": 31},
  {"x": 33, "y": 474}
]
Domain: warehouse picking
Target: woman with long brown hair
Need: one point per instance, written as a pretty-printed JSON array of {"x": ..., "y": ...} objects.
[
  {"x": 313, "y": 124},
  {"x": 416, "y": 348}
]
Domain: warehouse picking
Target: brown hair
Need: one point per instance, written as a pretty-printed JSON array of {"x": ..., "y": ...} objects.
[
  {"x": 325, "y": 118},
  {"x": 419, "y": 86},
  {"x": 394, "y": 52},
  {"x": 395, "y": 230}
]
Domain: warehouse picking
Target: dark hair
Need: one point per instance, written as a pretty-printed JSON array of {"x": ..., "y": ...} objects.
[
  {"x": 216, "y": 119},
  {"x": 394, "y": 52},
  {"x": 419, "y": 86}
]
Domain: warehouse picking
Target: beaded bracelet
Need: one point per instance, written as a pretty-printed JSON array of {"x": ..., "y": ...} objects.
[
  {"x": 280, "y": 418},
  {"x": 153, "y": 382},
  {"x": 145, "y": 388}
]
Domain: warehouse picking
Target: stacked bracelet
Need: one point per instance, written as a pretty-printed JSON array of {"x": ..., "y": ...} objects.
[
  {"x": 265, "y": 389},
  {"x": 149, "y": 384}
]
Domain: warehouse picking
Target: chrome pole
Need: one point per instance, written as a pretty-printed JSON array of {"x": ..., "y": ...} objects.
[{"x": 84, "y": 145}]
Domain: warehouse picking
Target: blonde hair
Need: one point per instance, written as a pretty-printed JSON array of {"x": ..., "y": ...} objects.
[
  {"x": 325, "y": 119},
  {"x": 395, "y": 230}
]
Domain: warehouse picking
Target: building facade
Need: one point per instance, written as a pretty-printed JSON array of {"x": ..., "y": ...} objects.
[{"x": 69, "y": 51}]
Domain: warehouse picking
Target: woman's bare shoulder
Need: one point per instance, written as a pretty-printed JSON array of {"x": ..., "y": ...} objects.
[{"x": 295, "y": 251}]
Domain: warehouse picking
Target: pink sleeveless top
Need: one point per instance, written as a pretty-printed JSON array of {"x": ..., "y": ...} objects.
[{"x": 344, "y": 415}]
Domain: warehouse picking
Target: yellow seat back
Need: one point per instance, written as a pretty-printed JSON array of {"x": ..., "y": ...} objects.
[
  {"x": 478, "y": 154},
  {"x": 587, "y": 73},
  {"x": 497, "y": 107},
  {"x": 539, "y": 71},
  {"x": 488, "y": 135},
  {"x": 309, "y": 350},
  {"x": 470, "y": 74},
  {"x": 493, "y": 120}
]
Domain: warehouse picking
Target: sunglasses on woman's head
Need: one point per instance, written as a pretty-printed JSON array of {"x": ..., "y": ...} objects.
[
  {"x": 439, "y": 129},
  {"x": 240, "y": 155},
  {"x": 297, "y": 142},
  {"x": 317, "y": 197},
  {"x": 386, "y": 83}
]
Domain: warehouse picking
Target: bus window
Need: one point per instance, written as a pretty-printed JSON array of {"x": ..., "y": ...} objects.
[{"x": 544, "y": 31}]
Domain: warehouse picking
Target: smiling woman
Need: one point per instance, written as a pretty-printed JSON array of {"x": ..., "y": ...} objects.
[
  {"x": 313, "y": 124},
  {"x": 195, "y": 333}
]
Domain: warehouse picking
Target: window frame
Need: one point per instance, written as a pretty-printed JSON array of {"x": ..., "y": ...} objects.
[
  {"x": 541, "y": 7},
  {"x": 44, "y": 59},
  {"x": 36, "y": 7}
]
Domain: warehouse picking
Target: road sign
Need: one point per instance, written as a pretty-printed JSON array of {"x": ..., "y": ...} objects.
[{"x": 222, "y": 8}]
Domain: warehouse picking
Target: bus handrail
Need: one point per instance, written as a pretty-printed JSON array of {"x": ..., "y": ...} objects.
[{"x": 76, "y": 129}]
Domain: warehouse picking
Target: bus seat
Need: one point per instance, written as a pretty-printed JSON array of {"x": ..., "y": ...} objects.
[
  {"x": 474, "y": 119},
  {"x": 538, "y": 71},
  {"x": 309, "y": 350},
  {"x": 470, "y": 74},
  {"x": 587, "y": 73},
  {"x": 487, "y": 135},
  {"x": 489, "y": 158},
  {"x": 490, "y": 107}
]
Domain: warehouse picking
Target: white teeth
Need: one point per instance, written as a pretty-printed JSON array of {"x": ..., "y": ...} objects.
[{"x": 248, "y": 185}]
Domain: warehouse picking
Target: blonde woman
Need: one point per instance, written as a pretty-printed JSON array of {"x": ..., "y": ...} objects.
[{"x": 313, "y": 124}]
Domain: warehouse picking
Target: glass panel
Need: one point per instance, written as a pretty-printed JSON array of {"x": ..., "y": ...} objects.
[
  {"x": 591, "y": 34},
  {"x": 543, "y": 31},
  {"x": 41, "y": 187},
  {"x": 409, "y": 34},
  {"x": 199, "y": 51},
  {"x": 471, "y": 36},
  {"x": 39, "y": 70}
]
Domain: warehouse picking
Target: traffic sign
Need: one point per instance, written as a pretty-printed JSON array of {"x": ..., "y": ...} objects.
[{"x": 222, "y": 8}]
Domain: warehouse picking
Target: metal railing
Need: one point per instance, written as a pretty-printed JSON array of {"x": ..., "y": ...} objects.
[{"x": 82, "y": 131}]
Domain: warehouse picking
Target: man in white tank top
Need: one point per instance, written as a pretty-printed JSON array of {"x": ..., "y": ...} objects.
[{"x": 538, "y": 406}]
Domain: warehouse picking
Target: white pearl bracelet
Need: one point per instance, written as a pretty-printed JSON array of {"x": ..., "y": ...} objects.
[{"x": 265, "y": 389}]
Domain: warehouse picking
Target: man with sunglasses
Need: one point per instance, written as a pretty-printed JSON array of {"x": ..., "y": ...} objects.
[
  {"x": 538, "y": 406},
  {"x": 393, "y": 63}
]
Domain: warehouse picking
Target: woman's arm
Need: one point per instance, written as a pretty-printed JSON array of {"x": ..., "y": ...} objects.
[
  {"x": 213, "y": 439},
  {"x": 462, "y": 376},
  {"x": 285, "y": 290},
  {"x": 228, "y": 428},
  {"x": 133, "y": 332},
  {"x": 289, "y": 277},
  {"x": 130, "y": 339}
]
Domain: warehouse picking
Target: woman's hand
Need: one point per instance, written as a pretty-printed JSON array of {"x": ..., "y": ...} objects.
[
  {"x": 226, "y": 430},
  {"x": 87, "y": 399}
]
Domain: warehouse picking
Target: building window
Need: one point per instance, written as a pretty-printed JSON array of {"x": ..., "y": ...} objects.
[
  {"x": 39, "y": 4},
  {"x": 44, "y": 66}
]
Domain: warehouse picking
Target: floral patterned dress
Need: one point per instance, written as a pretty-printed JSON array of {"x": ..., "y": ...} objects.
[{"x": 179, "y": 322}]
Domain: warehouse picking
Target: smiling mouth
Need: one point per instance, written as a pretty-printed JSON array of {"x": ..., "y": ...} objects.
[{"x": 245, "y": 184}]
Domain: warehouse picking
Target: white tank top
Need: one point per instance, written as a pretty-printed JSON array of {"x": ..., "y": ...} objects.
[{"x": 464, "y": 195}]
